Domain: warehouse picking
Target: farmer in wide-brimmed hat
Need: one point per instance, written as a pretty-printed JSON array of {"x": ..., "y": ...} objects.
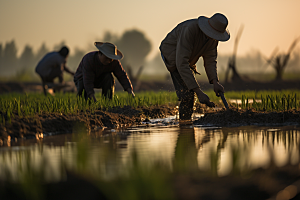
[
  {"x": 95, "y": 71},
  {"x": 182, "y": 48}
]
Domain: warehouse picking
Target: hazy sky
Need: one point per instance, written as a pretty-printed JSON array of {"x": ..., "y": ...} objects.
[{"x": 267, "y": 23}]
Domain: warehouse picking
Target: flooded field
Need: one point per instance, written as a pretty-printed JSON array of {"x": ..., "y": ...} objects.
[
  {"x": 252, "y": 147},
  {"x": 65, "y": 148},
  {"x": 109, "y": 154}
]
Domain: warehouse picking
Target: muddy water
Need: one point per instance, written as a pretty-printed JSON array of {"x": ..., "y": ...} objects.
[{"x": 107, "y": 153}]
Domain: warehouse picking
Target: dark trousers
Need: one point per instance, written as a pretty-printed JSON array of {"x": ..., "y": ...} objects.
[
  {"x": 185, "y": 96},
  {"x": 106, "y": 82},
  {"x": 49, "y": 80}
]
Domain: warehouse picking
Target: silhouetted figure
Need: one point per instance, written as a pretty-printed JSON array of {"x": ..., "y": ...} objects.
[
  {"x": 182, "y": 48},
  {"x": 51, "y": 66},
  {"x": 96, "y": 70},
  {"x": 185, "y": 156}
]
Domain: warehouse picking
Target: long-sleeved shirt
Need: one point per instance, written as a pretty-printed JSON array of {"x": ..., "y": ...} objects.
[
  {"x": 90, "y": 68},
  {"x": 51, "y": 62},
  {"x": 183, "y": 46}
]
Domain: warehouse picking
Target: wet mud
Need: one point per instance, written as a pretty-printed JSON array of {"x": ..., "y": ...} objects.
[
  {"x": 269, "y": 183},
  {"x": 45, "y": 124},
  {"x": 238, "y": 117}
]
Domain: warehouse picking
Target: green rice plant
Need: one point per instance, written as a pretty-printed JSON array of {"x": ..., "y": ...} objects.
[
  {"x": 268, "y": 102},
  {"x": 244, "y": 102},
  {"x": 30, "y": 104},
  {"x": 254, "y": 104},
  {"x": 25, "y": 105}
]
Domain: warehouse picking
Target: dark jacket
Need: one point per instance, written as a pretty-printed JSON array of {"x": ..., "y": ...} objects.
[
  {"x": 182, "y": 48},
  {"x": 52, "y": 64},
  {"x": 90, "y": 68}
]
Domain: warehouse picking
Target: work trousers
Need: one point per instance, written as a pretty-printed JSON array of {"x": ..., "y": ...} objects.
[
  {"x": 49, "y": 80},
  {"x": 185, "y": 96},
  {"x": 106, "y": 82}
]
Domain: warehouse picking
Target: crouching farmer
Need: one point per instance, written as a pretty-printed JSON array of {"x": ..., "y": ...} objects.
[
  {"x": 51, "y": 66},
  {"x": 96, "y": 70},
  {"x": 182, "y": 48}
]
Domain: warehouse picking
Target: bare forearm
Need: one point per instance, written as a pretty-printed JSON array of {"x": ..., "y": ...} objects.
[{"x": 68, "y": 71}]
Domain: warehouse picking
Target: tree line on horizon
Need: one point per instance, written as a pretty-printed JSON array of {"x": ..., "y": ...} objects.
[{"x": 134, "y": 45}]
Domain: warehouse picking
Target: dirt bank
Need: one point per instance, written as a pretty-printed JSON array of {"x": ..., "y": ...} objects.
[
  {"x": 57, "y": 123},
  {"x": 238, "y": 117}
]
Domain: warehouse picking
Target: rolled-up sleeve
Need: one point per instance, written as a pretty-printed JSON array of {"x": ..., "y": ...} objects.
[
  {"x": 183, "y": 52},
  {"x": 88, "y": 76},
  {"x": 210, "y": 62}
]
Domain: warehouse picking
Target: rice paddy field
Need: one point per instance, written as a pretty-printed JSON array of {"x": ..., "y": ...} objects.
[
  {"x": 63, "y": 147},
  {"x": 25, "y": 115}
]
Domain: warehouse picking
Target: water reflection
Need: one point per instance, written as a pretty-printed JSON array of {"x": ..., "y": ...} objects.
[
  {"x": 185, "y": 157},
  {"x": 218, "y": 151}
]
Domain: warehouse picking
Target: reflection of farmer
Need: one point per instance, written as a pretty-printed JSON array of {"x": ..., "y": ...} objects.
[
  {"x": 95, "y": 71},
  {"x": 185, "y": 157},
  {"x": 182, "y": 48},
  {"x": 51, "y": 66}
]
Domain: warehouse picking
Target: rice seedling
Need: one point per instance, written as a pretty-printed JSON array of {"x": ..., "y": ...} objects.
[
  {"x": 29, "y": 105},
  {"x": 281, "y": 102},
  {"x": 25, "y": 105}
]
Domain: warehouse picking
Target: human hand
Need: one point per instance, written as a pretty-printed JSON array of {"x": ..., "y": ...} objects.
[
  {"x": 218, "y": 88},
  {"x": 203, "y": 98}
]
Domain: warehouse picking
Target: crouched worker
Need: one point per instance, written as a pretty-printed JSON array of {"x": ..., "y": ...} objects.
[
  {"x": 51, "y": 66},
  {"x": 180, "y": 51},
  {"x": 96, "y": 70}
]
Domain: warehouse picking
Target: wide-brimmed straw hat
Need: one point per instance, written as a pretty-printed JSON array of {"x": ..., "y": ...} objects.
[
  {"x": 215, "y": 27},
  {"x": 109, "y": 50}
]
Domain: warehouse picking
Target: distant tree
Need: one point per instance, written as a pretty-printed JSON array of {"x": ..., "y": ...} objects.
[
  {"x": 135, "y": 47},
  {"x": 110, "y": 37},
  {"x": 27, "y": 58},
  {"x": 41, "y": 52},
  {"x": 1, "y": 55},
  {"x": 74, "y": 59},
  {"x": 156, "y": 66},
  {"x": 10, "y": 60},
  {"x": 279, "y": 62},
  {"x": 295, "y": 59},
  {"x": 232, "y": 60},
  {"x": 58, "y": 46}
]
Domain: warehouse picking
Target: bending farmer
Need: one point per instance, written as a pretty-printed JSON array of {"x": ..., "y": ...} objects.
[
  {"x": 182, "y": 48},
  {"x": 96, "y": 70},
  {"x": 52, "y": 66}
]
